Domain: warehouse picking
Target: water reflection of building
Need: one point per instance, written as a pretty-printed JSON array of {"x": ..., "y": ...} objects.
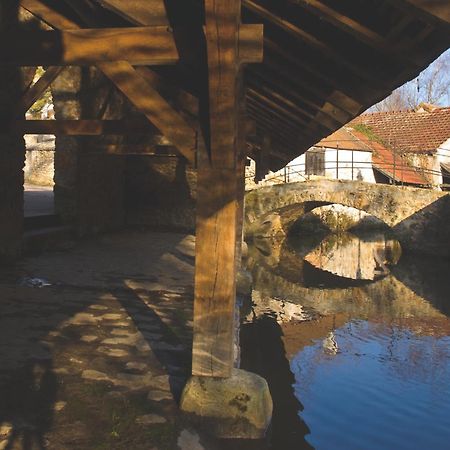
[{"x": 348, "y": 256}]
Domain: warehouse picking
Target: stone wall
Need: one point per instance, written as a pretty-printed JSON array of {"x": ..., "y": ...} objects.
[
  {"x": 13, "y": 82},
  {"x": 160, "y": 192},
  {"x": 89, "y": 184},
  {"x": 419, "y": 218},
  {"x": 39, "y": 161}
]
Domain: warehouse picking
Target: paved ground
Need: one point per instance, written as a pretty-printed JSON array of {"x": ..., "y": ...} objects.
[
  {"x": 98, "y": 358},
  {"x": 38, "y": 200}
]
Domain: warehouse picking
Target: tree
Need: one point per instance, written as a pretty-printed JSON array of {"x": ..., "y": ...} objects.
[{"x": 431, "y": 86}]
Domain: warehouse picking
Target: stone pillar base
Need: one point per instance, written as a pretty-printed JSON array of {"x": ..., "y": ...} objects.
[{"x": 239, "y": 407}]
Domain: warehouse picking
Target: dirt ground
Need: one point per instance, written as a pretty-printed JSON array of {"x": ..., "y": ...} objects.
[{"x": 95, "y": 345}]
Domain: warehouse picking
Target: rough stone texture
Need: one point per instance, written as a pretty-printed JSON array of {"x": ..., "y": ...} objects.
[
  {"x": 236, "y": 407},
  {"x": 160, "y": 192},
  {"x": 418, "y": 217},
  {"x": 65, "y": 92},
  {"x": 39, "y": 162},
  {"x": 13, "y": 82},
  {"x": 88, "y": 184}
]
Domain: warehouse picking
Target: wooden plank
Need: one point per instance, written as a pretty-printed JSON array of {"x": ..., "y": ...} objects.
[
  {"x": 262, "y": 162},
  {"x": 148, "y": 12},
  {"x": 157, "y": 110},
  {"x": 270, "y": 104},
  {"x": 35, "y": 91},
  {"x": 359, "y": 31},
  {"x": 178, "y": 97},
  {"x": 325, "y": 77},
  {"x": 140, "y": 46},
  {"x": 49, "y": 15},
  {"x": 251, "y": 43},
  {"x": 439, "y": 9},
  {"x": 324, "y": 47},
  {"x": 136, "y": 149},
  {"x": 81, "y": 127}
]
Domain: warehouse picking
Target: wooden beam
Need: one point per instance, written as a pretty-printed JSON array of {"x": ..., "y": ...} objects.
[
  {"x": 157, "y": 110},
  {"x": 251, "y": 43},
  {"x": 139, "y": 45},
  {"x": 148, "y": 12},
  {"x": 439, "y": 9},
  {"x": 179, "y": 98},
  {"x": 49, "y": 15},
  {"x": 338, "y": 57},
  {"x": 353, "y": 98},
  {"x": 271, "y": 104},
  {"x": 81, "y": 127},
  {"x": 290, "y": 97},
  {"x": 136, "y": 149},
  {"x": 218, "y": 198},
  {"x": 356, "y": 29},
  {"x": 35, "y": 91},
  {"x": 262, "y": 162},
  {"x": 140, "y": 93}
]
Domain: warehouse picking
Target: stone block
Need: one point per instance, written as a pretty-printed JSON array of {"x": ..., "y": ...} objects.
[{"x": 239, "y": 407}]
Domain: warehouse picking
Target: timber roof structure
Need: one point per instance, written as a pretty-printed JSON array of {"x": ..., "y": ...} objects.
[{"x": 322, "y": 63}]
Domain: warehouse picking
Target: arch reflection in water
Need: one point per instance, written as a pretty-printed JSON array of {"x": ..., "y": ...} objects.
[
  {"x": 367, "y": 335},
  {"x": 354, "y": 257}
]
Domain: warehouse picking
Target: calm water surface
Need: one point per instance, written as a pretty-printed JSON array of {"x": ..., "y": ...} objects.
[{"x": 354, "y": 340}]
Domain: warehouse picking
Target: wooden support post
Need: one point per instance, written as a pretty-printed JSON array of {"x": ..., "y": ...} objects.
[{"x": 217, "y": 198}]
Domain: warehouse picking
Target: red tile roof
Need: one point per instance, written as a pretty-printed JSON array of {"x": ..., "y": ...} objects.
[
  {"x": 421, "y": 131},
  {"x": 391, "y": 164}
]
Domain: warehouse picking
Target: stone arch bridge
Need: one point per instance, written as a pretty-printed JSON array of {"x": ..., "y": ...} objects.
[{"x": 419, "y": 218}]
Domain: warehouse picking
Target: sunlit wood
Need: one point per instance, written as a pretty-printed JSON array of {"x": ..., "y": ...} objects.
[
  {"x": 140, "y": 46},
  {"x": 35, "y": 91},
  {"x": 148, "y": 12}
]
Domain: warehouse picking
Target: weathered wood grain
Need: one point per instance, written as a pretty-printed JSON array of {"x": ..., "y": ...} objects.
[{"x": 139, "y": 45}]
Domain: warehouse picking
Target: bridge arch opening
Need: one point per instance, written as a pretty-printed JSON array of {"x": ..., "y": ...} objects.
[{"x": 337, "y": 218}]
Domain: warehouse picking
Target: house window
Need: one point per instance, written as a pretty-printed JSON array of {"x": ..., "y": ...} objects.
[{"x": 315, "y": 162}]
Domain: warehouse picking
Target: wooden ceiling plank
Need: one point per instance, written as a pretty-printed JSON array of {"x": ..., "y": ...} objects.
[
  {"x": 356, "y": 29},
  {"x": 334, "y": 112},
  {"x": 279, "y": 98},
  {"x": 272, "y": 123},
  {"x": 148, "y": 12},
  {"x": 298, "y": 33},
  {"x": 437, "y": 9},
  {"x": 326, "y": 77},
  {"x": 48, "y": 15},
  {"x": 140, "y": 45},
  {"x": 270, "y": 104}
]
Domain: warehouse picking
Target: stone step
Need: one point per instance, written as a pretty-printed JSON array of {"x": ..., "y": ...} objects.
[{"x": 51, "y": 238}]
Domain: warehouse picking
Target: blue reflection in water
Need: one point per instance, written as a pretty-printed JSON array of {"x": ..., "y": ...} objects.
[{"x": 373, "y": 386}]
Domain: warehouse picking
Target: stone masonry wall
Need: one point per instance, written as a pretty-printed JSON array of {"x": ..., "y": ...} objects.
[
  {"x": 13, "y": 81},
  {"x": 160, "y": 192},
  {"x": 89, "y": 184}
]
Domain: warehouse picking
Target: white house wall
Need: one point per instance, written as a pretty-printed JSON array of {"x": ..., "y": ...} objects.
[{"x": 349, "y": 165}]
